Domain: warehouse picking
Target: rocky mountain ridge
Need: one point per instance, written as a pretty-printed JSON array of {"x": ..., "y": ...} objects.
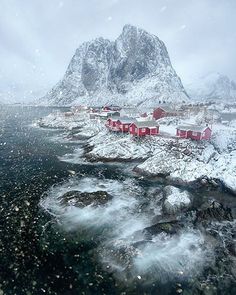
[
  {"x": 214, "y": 86},
  {"x": 134, "y": 69}
]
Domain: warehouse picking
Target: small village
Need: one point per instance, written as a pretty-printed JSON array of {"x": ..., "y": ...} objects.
[
  {"x": 196, "y": 139},
  {"x": 117, "y": 120}
]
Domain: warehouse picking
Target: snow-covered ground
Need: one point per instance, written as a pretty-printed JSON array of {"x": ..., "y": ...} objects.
[
  {"x": 60, "y": 121},
  {"x": 229, "y": 111},
  {"x": 178, "y": 159},
  {"x": 151, "y": 233}
]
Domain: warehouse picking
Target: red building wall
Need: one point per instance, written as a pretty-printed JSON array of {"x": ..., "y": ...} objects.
[
  {"x": 181, "y": 133},
  {"x": 124, "y": 127},
  {"x": 153, "y": 131},
  {"x": 108, "y": 122},
  {"x": 158, "y": 113},
  {"x": 143, "y": 131},
  {"x": 132, "y": 129},
  {"x": 195, "y": 135},
  {"x": 113, "y": 123},
  {"x": 207, "y": 133}
]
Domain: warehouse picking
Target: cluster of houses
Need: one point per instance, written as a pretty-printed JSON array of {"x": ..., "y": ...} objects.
[
  {"x": 144, "y": 124},
  {"x": 132, "y": 126},
  {"x": 141, "y": 127}
]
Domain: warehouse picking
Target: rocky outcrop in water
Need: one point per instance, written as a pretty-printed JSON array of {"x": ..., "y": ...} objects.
[
  {"x": 175, "y": 200},
  {"x": 135, "y": 69},
  {"x": 83, "y": 199},
  {"x": 213, "y": 211},
  {"x": 169, "y": 227}
]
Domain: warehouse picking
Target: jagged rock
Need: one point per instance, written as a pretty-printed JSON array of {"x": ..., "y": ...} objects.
[
  {"x": 175, "y": 200},
  {"x": 83, "y": 199},
  {"x": 136, "y": 68},
  {"x": 213, "y": 211},
  {"x": 170, "y": 227}
]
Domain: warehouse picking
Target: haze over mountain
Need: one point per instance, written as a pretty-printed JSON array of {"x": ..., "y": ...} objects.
[
  {"x": 134, "y": 69},
  {"x": 214, "y": 86},
  {"x": 38, "y": 38}
]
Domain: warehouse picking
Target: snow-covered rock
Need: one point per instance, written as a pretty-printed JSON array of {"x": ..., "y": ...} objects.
[
  {"x": 134, "y": 69},
  {"x": 60, "y": 121},
  {"x": 224, "y": 138},
  {"x": 109, "y": 146},
  {"x": 187, "y": 169},
  {"x": 179, "y": 160},
  {"x": 214, "y": 86},
  {"x": 175, "y": 199}
]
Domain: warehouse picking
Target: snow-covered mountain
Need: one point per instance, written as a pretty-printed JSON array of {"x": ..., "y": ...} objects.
[
  {"x": 134, "y": 69},
  {"x": 213, "y": 86}
]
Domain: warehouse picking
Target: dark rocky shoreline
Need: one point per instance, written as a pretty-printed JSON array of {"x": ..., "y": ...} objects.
[{"x": 214, "y": 220}]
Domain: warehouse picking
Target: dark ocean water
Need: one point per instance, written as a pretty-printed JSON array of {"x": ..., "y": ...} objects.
[
  {"x": 37, "y": 256},
  {"x": 34, "y": 260}
]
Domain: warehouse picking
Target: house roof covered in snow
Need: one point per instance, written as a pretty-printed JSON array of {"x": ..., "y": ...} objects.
[
  {"x": 191, "y": 127},
  {"x": 168, "y": 109},
  {"x": 107, "y": 114},
  {"x": 126, "y": 120},
  {"x": 143, "y": 124}
]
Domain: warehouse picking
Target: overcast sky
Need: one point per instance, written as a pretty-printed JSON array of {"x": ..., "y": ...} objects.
[{"x": 39, "y": 37}]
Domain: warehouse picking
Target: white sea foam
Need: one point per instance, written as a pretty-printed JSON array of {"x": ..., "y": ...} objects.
[
  {"x": 74, "y": 158},
  {"x": 116, "y": 213},
  {"x": 181, "y": 255},
  {"x": 162, "y": 257}
]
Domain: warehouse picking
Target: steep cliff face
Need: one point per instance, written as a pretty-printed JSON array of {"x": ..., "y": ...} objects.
[
  {"x": 214, "y": 86},
  {"x": 135, "y": 69}
]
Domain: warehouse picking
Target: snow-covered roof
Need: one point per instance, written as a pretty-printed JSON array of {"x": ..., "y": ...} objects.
[
  {"x": 107, "y": 114},
  {"x": 126, "y": 120},
  {"x": 192, "y": 127},
  {"x": 112, "y": 106},
  {"x": 142, "y": 124},
  {"x": 166, "y": 108}
]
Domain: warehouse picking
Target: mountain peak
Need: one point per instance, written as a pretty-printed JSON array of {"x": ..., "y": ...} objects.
[
  {"x": 134, "y": 69},
  {"x": 129, "y": 27},
  {"x": 213, "y": 86}
]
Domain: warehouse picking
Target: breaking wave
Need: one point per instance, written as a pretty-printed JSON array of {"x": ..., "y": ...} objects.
[
  {"x": 73, "y": 158},
  {"x": 118, "y": 225}
]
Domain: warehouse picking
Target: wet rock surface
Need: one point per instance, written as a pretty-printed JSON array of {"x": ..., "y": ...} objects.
[
  {"x": 175, "y": 199},
  {"x": 208, "y": 217},
  {"x": 83, "y": 199},
  {"x": 213, "y": 211},
  {"x": 170, "y": 227}
]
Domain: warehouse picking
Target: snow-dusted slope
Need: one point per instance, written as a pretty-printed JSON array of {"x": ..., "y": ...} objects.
[
  {"x": 135, "y": 69},
  {"x": 214, "y": 86},
  {"x": 177, "y": 160}
]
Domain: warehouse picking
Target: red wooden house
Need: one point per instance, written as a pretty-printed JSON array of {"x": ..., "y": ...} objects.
[
  {"x": 119, "y": 124},
  {"x": 143, "y": 128},
  {"x": 124, "y": 123},
  {"x": 162, "y": 112},
  {"x": 194, "y": 132},
  {"x": 111, "y": 124}
]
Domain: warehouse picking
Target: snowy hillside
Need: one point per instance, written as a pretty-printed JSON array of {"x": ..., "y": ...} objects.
[
  {"x": 214, "y": 86},
  {"x": 135, "y": 69}
]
